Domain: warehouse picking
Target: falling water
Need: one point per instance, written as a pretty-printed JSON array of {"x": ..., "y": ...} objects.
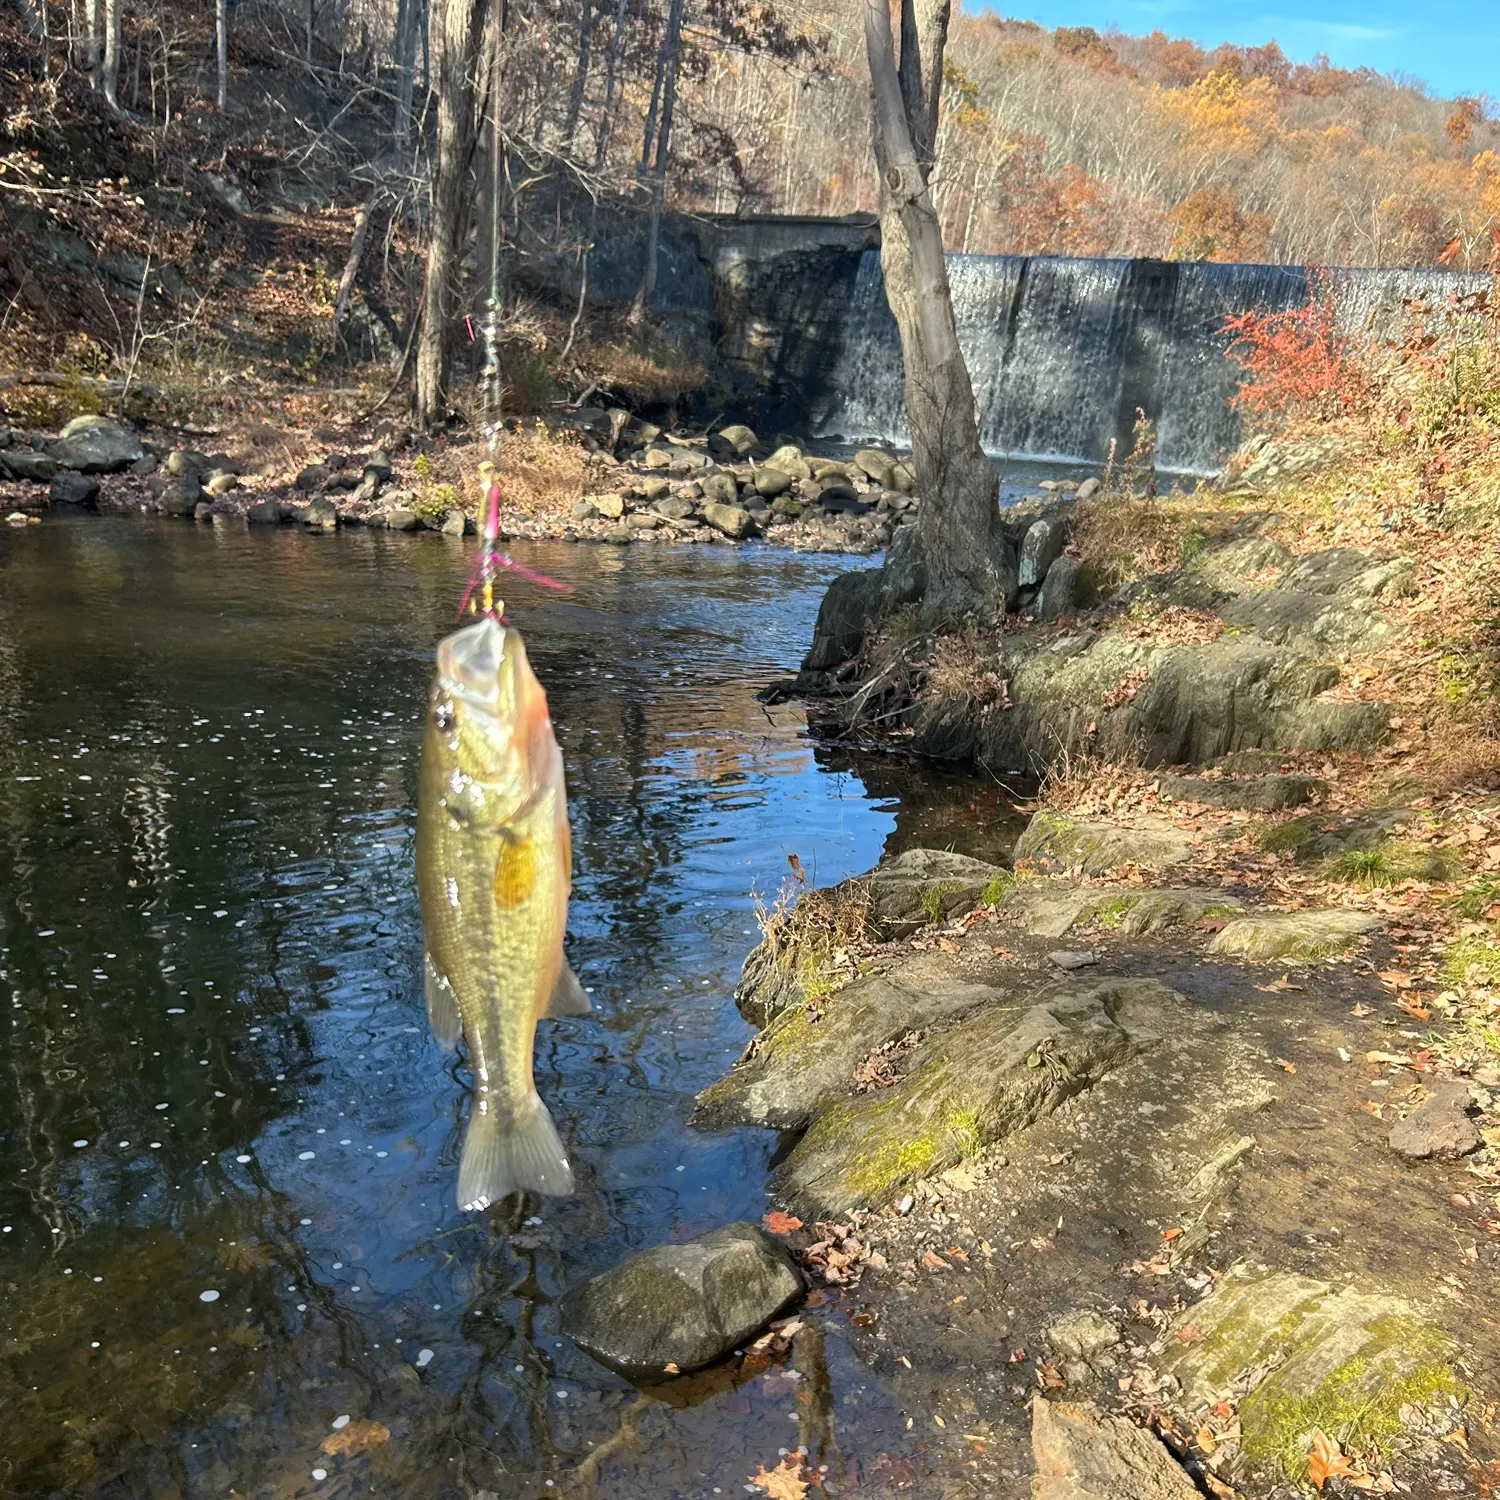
[{"x": 1063, "y": 352}]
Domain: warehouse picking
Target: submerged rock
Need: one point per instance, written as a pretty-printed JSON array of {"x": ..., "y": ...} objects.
[
  {"x": 320, "y": 515},
  {"x": 990, "y": 1075},
  {"x": 1346, "y": 1361},
  {"x": 74, "y": 489},
  {"x": 1080, "y": 1454},
  {"x": 1052, "y": 841},
  {"x": 1293, "y": 937},
  {"x": 1439, "y": 1127},
  {"x": 682, "y": 1305}
]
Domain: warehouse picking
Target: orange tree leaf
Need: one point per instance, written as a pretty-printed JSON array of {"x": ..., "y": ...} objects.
[
  {"x": 1326, "y": 1460},
  {"x": 777, "y": 1222},
  {"x": 784, "y": 1482},
  {"x": 357, "y": 1437}
]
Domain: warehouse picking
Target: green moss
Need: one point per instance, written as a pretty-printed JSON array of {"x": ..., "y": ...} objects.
[
  {"x": 1359, "y": 1404},
  {"x": 1478, "y": 896},
  {"x": 1220, "y": 912},
  {"x": 1472, "y": 959},
  {"x": 1278, "y": 838},
  {"x": 997, "y": 889},
  {"x": 1111, "y": 911}
]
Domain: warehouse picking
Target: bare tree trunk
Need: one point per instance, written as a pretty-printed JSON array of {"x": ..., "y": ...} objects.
[
  {"x": 581, "y": 73},
  {"x": 463, "y": 23},
  {"x": 310, "y": 20},
  {"x": 406, "y": 46},
  {"x": 667, "y": 75},
  {"x": 356, "y": 254},
  {"x": 109, "y": 72},
  {"x": 971, "y": 566},
  {"x": 91, "y": 41},
  {"x": 607, "y": 114},
  {"x": 221, "y": 39}
]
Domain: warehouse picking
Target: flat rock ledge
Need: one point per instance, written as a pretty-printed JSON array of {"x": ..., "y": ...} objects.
[
  {"x": 1081, "y": 1454},
  {"x": 1053, "y": 842},
  {"x": 1293, "y": 937},
  {"x": 1000, "y": 1068},
  {"x": 1307, "y": 1355},
  {"x": 677, "y": 1308}
]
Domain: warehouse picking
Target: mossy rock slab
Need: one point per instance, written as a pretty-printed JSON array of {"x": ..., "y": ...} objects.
[
  {"x": 1240, "y": 566},
  {"x": 1051, "y": 908},
  {"x": 1293, "y": 937},
  {"x": 1247, "y": 794},
  {"x": 927, "y": 885},
  {"x": 1289, "y": 617},
  {"x": 976, "y": 1082},
  {"x": 808, "y": 1055},
  {"x": 1324, "y": 836},
  {"x": 1345, "y": 1361},
  {"x": 1053, "y": 842}
]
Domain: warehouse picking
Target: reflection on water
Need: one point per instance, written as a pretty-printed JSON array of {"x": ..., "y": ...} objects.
[{"x": 227, "y": 1218}]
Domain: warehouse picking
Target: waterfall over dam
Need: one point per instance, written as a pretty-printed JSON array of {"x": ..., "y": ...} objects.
[{"x": 1062, "y": 351}]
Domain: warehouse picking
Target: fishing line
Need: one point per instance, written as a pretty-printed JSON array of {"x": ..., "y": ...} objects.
[{"x": 491, "y": 558}]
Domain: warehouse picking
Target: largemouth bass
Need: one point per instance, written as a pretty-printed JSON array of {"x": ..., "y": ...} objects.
[{"x": 493, "y": 873}]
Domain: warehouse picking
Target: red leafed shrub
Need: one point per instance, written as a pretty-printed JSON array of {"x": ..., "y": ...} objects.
[{"x": 1298, "y": 362}]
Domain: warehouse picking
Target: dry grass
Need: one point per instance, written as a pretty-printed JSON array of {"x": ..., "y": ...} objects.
[
  {"x": 541, "y": 472},
  {"x": 811, "y": 933},
  {"x": 644, "y": 375},
  {"x": 967, "y": 674},
  {"x": 1122, "y": 537}
]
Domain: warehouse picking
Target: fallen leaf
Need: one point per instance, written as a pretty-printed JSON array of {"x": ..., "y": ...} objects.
[
  {"x": 777, "y": 1222},
  {"x": 1000, "y": 951},
  {"x": 1397, "y": 1059},
  {"x": 1217, "y": 1488},
  {"x": 1188, "y": 1334},
  {"x": 1326, "y": 1460},
  {"x": 1398, "y": 979},
  {"x": 1284, "y": 1065},
  {"x": 1413, "y": 1009},
  {"x": 947, "y": 945},
  {"x": 955, "y": 1252},
  {"x": 1049, "y": 1377},
  {"x": 939, "y": 1421},
  {"x": 1171, "y": 1234},
  {"x": 1204, "y": 1440},
  {"x": 1359, "y": 1010},
  {"x": 934, "y": 1262},
  {"x": 357, "y": 1437},
  {"x": 670, "y": 1368},
  {"x": 784, "y": 1482},
  {"x": 1278, "y": 986}
]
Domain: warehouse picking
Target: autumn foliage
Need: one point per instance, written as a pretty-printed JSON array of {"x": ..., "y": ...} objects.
[{"x": 1298, "y": 361}]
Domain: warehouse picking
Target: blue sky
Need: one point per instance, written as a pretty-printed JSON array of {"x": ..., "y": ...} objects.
[{"x": 1451, "y": 45}]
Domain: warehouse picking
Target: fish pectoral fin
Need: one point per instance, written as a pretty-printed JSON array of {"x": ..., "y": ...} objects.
[
  {"x": 568, "y": 997},
  {"x": 511, "y": 1153},
  {"x": 442, "y": 1005}
]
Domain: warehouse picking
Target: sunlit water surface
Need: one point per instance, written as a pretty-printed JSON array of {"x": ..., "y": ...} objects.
[{"x": 226, "y": 1215}]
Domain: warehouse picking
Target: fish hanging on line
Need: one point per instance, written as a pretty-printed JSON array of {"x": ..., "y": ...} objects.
[{"x": 493, "y": 874}]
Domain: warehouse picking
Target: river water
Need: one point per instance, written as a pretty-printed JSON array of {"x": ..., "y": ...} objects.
[{"x": 226, "y": 1215}]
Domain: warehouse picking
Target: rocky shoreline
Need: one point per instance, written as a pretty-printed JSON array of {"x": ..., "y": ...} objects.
[{"x": 641, "y": 485}]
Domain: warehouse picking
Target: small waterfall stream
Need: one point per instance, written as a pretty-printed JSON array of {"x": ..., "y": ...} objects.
[{"x": 1064, "y": 351}]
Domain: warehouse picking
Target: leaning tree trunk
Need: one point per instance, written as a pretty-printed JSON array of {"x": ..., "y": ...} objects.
[
  {"x": 463, "y": 25},
  {"x": 221, "y": 49},
  {"x": 971, "y": 566}
]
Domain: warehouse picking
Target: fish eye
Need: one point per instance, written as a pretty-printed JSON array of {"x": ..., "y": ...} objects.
[{"x": 444, "y": 718}]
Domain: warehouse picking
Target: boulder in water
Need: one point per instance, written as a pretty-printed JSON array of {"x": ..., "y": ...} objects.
[
  {"x": 37, "y": 467},
  {"x": 186, "y": 463},
  {"x": 733, "y": 520},
  {"x": 679, "y": 1307},
  {"x": 720, "y": 489},
  {"x": 738, "y": 438},
  {"x": 74, "y": 489},
  {"x": 320, "y": 515},
  {"x": 264, "y": 513},
  {"x": 181, "y": 497},
  {"x": 95, "y": 445}
]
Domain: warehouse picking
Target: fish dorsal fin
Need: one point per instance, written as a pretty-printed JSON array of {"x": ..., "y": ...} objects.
[
  {"x": 568, "y": 998},
  {"x": 442, "y": 1005}
]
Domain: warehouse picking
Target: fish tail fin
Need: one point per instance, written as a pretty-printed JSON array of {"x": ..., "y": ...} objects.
[{"x": 508, "y": 1154}]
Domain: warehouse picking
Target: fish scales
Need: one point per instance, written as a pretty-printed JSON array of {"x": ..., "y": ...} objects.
[{"x": 493, "y": 875}]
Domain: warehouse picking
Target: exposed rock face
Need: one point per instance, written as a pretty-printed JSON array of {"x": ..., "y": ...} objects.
[
  {"x": 320, "y": 515},
  {"x": 992, "y": 1074},
  {"x": 181, "y": 497},
  {"x": 925, "y": 885},
  {"x": 1439, "y": 1128},
  {"x": 1344, "y": 1360},
  {"x": 1055, "y": 842},
  {"x": 800, "y": 1061},
  {"x": 1040, "y": 548},
  {"x": 682, "y": 1305},
  {"x": 1062, "y": 589},
  {"x": 1049, "y": 908},
  {"x": 1082, "y": 1455},
  {"x": 265, "y": 513},
  {"x": 95, "y": 445},
  {"x": 1294, "y": 937},
  {"x": 37, "y": 467},
  {"x": 1249, "y": 794}
]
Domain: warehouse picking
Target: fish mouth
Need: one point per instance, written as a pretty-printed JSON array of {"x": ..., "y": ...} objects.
[{"x": 471, "y": 661}]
